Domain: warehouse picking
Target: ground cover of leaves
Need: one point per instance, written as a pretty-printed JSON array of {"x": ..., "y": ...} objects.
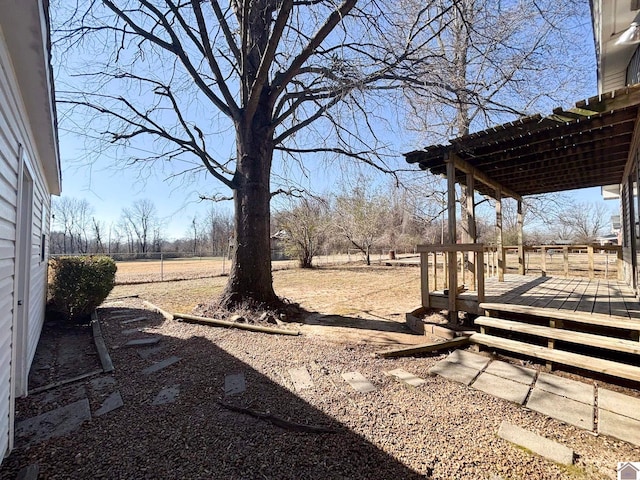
[{"x": 440, "y": 430}]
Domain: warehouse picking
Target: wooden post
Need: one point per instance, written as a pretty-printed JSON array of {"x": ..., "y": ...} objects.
[
  {"x": 435, "y": 271},
  {"x": 521, "y": 269},
  {"x": 543, "y": 261},
  {"x": 471, "y": 216},
  {"x": 590, "y": 259},
  {"x": 451, "y": 210},
  {"x": 480, "y": 263},
  {"x": 565, "y": 257},
  {"x": 499, "y": 237},
  {"x": 551, "y": 343},
  {"x": 620, "y": 265},
  {"x": 424, "y": 279}
]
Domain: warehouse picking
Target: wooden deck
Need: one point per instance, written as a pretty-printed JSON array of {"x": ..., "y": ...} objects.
[{"x": 579, "y": 295}]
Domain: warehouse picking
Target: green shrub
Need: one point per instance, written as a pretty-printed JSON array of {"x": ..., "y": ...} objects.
[{"x": 80, "y": 284}]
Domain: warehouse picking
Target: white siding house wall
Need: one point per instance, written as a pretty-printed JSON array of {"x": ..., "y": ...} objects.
[{"x": 28, "y": 157}]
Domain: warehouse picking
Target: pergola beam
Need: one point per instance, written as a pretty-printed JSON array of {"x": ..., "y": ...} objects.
[{"x": 469, "y": 169}]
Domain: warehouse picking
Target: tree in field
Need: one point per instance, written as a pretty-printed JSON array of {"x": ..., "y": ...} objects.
[
  {"x": 287, "y": 76},
  {"x": 361, "y": 216},
  {"x": 584, "y": 221},
  {"x": 305, "y": 223},
  {"x": 141, "y": 224}
]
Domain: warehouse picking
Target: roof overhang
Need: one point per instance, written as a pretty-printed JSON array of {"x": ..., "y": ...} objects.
[
  {"x": 582, "y": 147},
  {"x": 24, "y": 24}
]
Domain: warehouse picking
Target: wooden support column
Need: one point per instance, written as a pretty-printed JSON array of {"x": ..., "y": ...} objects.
[
  {"x": 521, "y": 266},
  {"x": 499, "y": 237},
  {"x": 590, "y": 260},
  {"x": 471, "y": 259},
  {"x": 424, "y": 279},
  {"x": 452, "y": 258}
]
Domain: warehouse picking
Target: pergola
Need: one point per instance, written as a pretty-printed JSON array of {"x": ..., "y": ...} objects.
[{"x": 585, "y": 146}]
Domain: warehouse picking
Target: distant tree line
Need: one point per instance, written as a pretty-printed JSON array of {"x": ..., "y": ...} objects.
[{"x": 362, "y": 216}]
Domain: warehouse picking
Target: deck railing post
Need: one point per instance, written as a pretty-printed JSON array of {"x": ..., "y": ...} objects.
[
  {"x": 619, "y": 264},
  {"x": 543, "y": 261},
  {"x": 435, "y": 270},
  {"x": 424, "y": 279},
  {"x": 590, "y": 260},
  {"x": 565, "y": 257}
]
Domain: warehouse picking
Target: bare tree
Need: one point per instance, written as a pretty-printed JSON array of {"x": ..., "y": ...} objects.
[
  {"x": 492, "y": 62},
  {"x": 585, "y": 221},
  {"x": 141, "y": 224},
  {"x": 71, "y": 217},
  {"x": 181, "y": 73},
  {"x": 361, "y": 216},
  {"x": 305, "y": 224}
]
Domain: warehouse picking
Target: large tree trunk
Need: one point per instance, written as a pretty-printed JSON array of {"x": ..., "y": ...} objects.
[{"x": 250, "y": 278}]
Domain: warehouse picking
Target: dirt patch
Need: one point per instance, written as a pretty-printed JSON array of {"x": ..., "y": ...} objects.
[{"x": 64, "y": 351}]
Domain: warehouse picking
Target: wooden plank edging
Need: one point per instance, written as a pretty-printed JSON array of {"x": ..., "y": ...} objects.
[{"x": 101, "y": 346}]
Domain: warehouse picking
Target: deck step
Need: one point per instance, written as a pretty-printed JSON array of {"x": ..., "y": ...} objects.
[
  {"x": 607, "y": 367},
  {"x": 608, "y": 343},
  {"x": 600, "y": 319}
]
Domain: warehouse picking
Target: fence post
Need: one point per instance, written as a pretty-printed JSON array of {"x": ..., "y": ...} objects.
[
  {"x": 543, "y": 261},
  {"x": 161, "y": 267},
  {"x": 590, "y": 255}
]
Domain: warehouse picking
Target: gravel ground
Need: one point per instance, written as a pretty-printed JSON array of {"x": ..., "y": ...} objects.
[{"x": 440, "y": 430}]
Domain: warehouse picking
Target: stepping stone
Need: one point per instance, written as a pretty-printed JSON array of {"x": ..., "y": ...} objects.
[
  {"x": 133, "y": 320},
  {"x": 130, "y": 331},
  {"x": 161, "y": 364},
  {"x": 504, "y": 388},
  {"x": 542, "y": 446},
  {"x": 619, "y": 403},
  {"x": 301, "y": 378},
  {"x": 142, "y": 341},
  {"x": 562, "y": 408},
  {"x": 72, "y": 393},
  {"x": 468, "y": 359},
  {"x": 166, "y": 395},
  {"x": 234, "y": 384},
  {"x": 511, "y": 372},
  {"x": 619, "y": 426},
  {"x": 578, "y": 391},
  {"x": 406, "y": 377},
  {"x": 461, "y": 366},
  {"x": 102, "y": 384},
  {"x": 112, "y": 402},
  {"x": 54, "y": 423},
  {"x": 149, "y": 352},
  {"x": 358, "y": 382},
  {"x": 29, "y": 472}
]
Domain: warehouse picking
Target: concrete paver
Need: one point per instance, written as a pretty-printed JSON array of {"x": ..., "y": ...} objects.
[
  {"x": 234, "y": 384},
  {"x": 511, "y": 372},
  {"x": 542, "y": 446},
  {"x": 301, "y": 378},
  {"x": 510, "y": 390},
  {"x": 619, "y": 403},
  {"x": 161, "y": 365},
  {"x": 468, "y": 359},
  {"x": 101, "y": 384},
  {"x": 578, "y": 391},
  {"x": 133, "y": 320},
  {"x": 406, "y": 377},
  {"x": 112, "y": 402},
  {"x": 619, "y": 426},
  {"x": 149, "y": 352},
  {"x": 561, "y": 408},
  {"x": 166, "y": 395},
  {"x": 139, "y": 342},
  {"x": 54, "y": 423},
  {"x": 30, "y": 472},
  {"x": 454, "y": 371},
  {"x": 358, "y": 382}
]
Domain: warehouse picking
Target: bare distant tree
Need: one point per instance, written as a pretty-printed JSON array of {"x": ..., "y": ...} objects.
[
  {"x": 305, "y": 223},
  {"x": 72, "y": 217},
  {"x": 140, "y": 222},
  {"x": 98, "y": 228},
  {"x": 585, "y": 221},
  {"x": 286, "y": 76},
  {"x": 361, "y": 216}
]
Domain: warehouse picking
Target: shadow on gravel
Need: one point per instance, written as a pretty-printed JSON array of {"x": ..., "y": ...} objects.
[{"x": 195, "y": 437}]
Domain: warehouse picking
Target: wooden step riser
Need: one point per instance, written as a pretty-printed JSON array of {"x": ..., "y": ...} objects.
[
  {"x": 584, "y": 362},
  {"x": 569, "y": 336}
]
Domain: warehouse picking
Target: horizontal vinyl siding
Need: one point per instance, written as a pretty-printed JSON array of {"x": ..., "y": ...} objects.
[{"x": 16, "y": 131}]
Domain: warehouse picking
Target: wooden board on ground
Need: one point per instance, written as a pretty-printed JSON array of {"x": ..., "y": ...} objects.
[{"x": 423, "y": 348}]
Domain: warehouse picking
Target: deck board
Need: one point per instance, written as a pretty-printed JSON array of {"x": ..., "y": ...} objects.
[{"x": 609, "y": 297}]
